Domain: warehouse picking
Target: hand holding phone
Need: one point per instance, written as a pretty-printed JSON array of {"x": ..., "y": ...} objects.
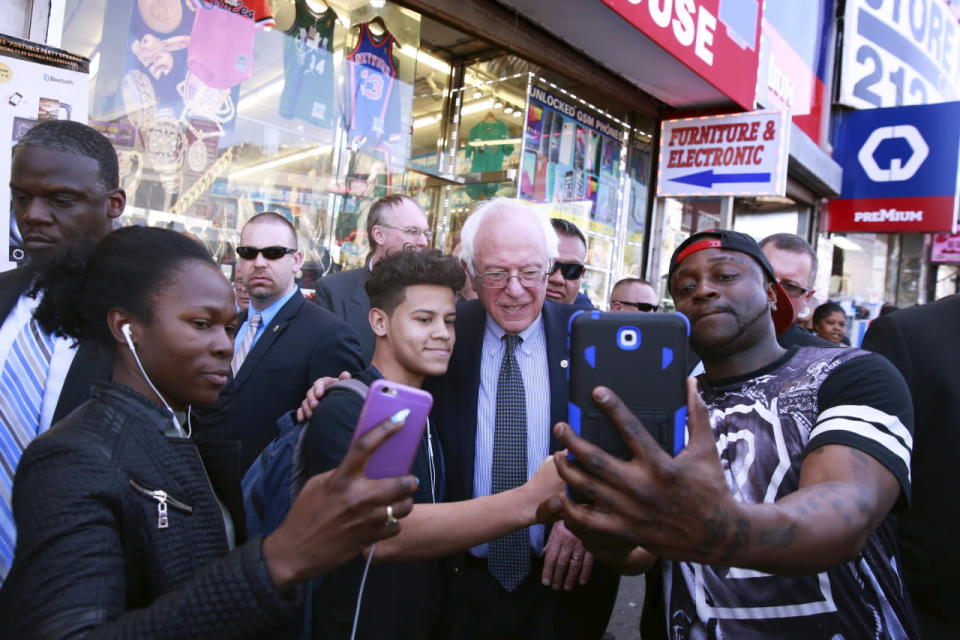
[{"x": 384, "y": 399}]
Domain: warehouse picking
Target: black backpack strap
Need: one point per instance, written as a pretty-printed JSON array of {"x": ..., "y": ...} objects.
[{"x": 298, "y": 467}]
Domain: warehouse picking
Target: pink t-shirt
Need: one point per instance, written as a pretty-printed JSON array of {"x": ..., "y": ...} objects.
[{"x": 221, "y": 42}]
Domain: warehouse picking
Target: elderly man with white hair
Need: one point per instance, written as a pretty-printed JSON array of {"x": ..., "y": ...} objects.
[{"x": 505, "y": 387}]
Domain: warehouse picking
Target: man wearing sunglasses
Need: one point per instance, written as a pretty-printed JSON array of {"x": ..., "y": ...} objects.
[
  {"x": 563, "y": 284},
  {"x": 794, "y": 265},
  {"x": 633, "y": 294},
  {"x": 282, "y": 345},
  {"x": 394, "y": 223}
]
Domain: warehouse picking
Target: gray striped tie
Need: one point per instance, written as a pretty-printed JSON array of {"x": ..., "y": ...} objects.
[
  {"x": 244, "y": 349},
  {"x": 509, "y": 556}
]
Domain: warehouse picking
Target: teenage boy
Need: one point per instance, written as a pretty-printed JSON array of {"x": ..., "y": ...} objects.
[{"x": 413, "y": 308}]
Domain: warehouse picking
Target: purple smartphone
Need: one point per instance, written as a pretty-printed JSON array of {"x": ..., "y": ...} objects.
[{"x": 395, "y": 456}]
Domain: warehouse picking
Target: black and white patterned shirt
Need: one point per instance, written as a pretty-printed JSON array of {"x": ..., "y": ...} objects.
[{"x": 764, "y": 424}]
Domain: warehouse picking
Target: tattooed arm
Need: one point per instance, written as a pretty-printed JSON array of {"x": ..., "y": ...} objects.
[
  {"x": 844, "y": 496},
  {"x": 681, "y": 508}
]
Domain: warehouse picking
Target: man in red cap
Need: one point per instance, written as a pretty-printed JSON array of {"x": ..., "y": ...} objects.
[{"x": 773, "y": 521}]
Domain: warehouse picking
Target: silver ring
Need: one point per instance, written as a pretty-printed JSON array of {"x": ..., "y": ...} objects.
[
  {"x": 391, "y": 520},
  {"x": 576, "y": 558}
]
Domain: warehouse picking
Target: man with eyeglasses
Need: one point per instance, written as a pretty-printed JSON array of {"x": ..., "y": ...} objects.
[
  {"x": 794, "y": 265},
  {"x": 563, "y": 283},
  {"x": 633, "y": 294},
  {"x": 394, "y": 223},
  {"x": 505, "y": 386},
  {"x": 282, "y": 345}
]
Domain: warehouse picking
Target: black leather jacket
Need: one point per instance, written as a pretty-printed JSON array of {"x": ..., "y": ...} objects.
[{"x": 95, "y": 557}]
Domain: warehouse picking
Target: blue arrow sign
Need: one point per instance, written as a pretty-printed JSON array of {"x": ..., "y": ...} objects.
[{"x": 708, "y": 178}]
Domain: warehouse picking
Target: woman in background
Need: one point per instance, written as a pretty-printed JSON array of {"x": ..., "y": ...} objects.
[
  {"x": 127, "y": 525},
  {"x": 830, "y": 322}
]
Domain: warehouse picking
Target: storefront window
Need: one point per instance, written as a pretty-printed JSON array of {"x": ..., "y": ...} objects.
[
  {"x": 223, "y": 110},
  {"x": 573, "y": 168},
  {"x": 765, "y": 215},
  {"x": 485, "y": 137},
  {"x": 636, "y": 198}
]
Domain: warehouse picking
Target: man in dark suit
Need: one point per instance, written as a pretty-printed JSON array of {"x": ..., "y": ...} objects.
[
  {"x": 394, "y": 223},
  {"x": 923, "y": 343},
  {"x": 503, "y": 589},
  {"x": 282, "y": 346},
  {"x": 64, "y": 184},
  {"x": 794, "y": 265}
]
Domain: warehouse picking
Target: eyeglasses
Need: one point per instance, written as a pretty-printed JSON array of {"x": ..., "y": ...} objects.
[
  {"x": 270, "y": 253},
  {"x": 646, "y": 307},
  {"x": 499, "y": 279},
  {"x": 569, "y": 270},
  {"x": 793, "y": 290},
  {"x": 410, "y": 231}
]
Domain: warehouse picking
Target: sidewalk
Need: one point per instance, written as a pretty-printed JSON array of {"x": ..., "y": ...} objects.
[{"x": 625, "y": 621}]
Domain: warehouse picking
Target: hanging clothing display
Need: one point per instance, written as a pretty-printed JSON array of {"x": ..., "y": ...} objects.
[
  {"x": 308, "y": 87},
  {"x": 487, "y": 157},
  {"x": 220, "y": 53},
  {"x": 372, "y": 74}
]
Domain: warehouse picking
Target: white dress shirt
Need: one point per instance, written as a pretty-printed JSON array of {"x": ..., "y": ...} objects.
[{"x": 531, "y": 356}]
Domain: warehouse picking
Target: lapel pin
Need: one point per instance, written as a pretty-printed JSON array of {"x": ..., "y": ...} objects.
[
  {"x": 563, "y": 364},
  {"x": 276, "y": 327}
]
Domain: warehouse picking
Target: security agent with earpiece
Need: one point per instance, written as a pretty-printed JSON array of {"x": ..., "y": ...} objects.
[
  {"x": 283, "y": 343},
  {"x": 128, "y": 526}
]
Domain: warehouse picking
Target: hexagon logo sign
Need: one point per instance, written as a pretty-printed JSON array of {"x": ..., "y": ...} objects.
[
  {"x": 900, "y": 170},
  {"x": 897, "y": 171}
]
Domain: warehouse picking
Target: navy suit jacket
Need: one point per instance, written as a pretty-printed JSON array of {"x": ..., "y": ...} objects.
[
  {"x": 90, "y": 362},
  {"x": 302, "y": 343},
  {"x": 345, "y": 296},
  {"x": 455, "y": 393}
]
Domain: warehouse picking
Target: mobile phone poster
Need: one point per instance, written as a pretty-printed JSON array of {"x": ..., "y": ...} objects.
[
  {"x": 34, "y": 86},
  {"x": 571, "y": 160}
]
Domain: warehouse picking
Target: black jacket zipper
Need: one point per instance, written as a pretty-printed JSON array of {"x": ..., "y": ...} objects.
[{"x": 163, "y": 501}]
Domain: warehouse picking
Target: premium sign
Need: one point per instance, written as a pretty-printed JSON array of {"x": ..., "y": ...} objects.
[
  {"x": 716, "y": 39},
  {"x": 737, "y": 155},
  {"x": 899, "y": 52},
  {"x": 899, "y": 169}
]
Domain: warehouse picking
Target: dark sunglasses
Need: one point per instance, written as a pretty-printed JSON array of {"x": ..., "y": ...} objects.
[
  {"x": 641, "y": 306},
  {"x": 270, "y": 253},
  {"x": 569, "y": 270}
]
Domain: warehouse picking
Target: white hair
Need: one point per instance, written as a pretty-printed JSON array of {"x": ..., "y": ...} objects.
[{"x": 471, "y": 229}]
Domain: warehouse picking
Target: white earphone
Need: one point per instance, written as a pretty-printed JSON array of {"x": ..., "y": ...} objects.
[
  {"x": 128, "y": 335},
  {"x": 126, "y": 331}
]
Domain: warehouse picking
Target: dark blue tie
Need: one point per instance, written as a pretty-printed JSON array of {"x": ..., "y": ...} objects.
[{"x": 509, "y": 556}]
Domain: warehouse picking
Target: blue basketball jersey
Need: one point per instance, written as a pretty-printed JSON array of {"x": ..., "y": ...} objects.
[{"x": 372, "y": 74}]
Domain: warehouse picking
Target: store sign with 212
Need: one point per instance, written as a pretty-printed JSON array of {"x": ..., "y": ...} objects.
[{"x": 899, "y": 52}]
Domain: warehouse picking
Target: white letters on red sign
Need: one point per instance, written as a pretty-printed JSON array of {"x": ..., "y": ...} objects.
[{"x": 687, "y": 29}]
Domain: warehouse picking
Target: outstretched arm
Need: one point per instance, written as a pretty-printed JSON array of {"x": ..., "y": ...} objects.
[
  {"x": 434, "y": 530},
  {"x": 682, "y": 509}
]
